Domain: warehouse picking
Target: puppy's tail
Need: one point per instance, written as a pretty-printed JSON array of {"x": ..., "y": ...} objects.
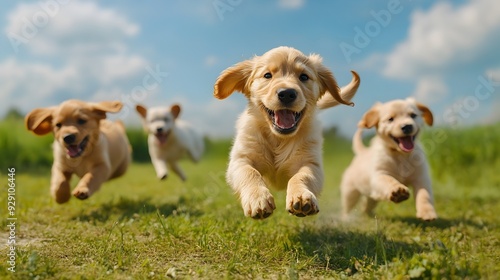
[
  {"x": 357, "y": 142},
  {"x": 347, "y": 92}
]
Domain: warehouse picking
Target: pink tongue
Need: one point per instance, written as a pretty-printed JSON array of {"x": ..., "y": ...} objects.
[
  {"x": 73, "y": 150},
  {"x": 284, "y": 118},
  {"x": 406, "y": 143},
  {"x": 161, "y": 138}
]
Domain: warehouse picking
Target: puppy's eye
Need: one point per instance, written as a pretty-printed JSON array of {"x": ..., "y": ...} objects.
[
  {"x": 303, "y": 77},
  {"x": 268, "y": 75},
  {"x": 81, "y": 121},
  {"x": 58, "y": 125},
  {"x": 413, "y": 115},
  {"x": 166, "y": 119},
  {"x": 391, "y": 119}
]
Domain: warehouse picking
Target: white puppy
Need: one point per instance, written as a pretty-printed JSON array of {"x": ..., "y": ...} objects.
[{"x": 169, "y": 139}]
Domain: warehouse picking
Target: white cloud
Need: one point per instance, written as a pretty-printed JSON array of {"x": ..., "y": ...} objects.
[
  {"x": 119, "y": 67},
  {"x": 430, "y": 89},
  {"x": 211, "y": 60},
  {"x": 445, "y": 36},
  {"x": 443, "y": 40},
  {"x": 35, "y": 82},
  {"x": 80, "y": 52},
  {"x": 78, "y": 27},
  {"x": 216, "y": 118},
  {"x": 494, "y": 75},
  {"x": 291, "y": 4}
]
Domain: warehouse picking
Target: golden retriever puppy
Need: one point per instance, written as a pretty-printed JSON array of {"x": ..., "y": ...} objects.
[
  {"x": 278, "y": 138},
  {"x": 169, "y": 139},
  {"x": 85, "y": 144},
  {"x": 394, "y": 160}
]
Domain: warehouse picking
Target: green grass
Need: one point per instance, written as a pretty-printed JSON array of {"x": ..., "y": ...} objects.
[
  {"x": 467, "y": 156},
  {"x": 137, "y": 227},
  {"x": 19, "y": 147}
]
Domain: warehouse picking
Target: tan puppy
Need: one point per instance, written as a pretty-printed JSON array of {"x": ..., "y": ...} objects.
[
  {"x": 169, "y": 139},
  {"x": 393, "y": 161},
  {"x": 85, "y": 144},
  {"x": 278, "y": 139}
]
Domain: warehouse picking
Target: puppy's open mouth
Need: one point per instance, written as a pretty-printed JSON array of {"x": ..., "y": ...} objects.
[
  {"x": 406, "y": 143},
  {"x": 284, "y": 121},
  {"x": 162, "y": 137},
  {"x": 74, "y": 151}
]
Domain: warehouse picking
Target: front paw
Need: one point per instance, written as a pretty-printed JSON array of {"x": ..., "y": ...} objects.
[
  {"x": 427, "y": 214},
  {"x": 258, "y": 204},
  {"x": 302, "y": 204},
  {"x": 61, "y": 194},
  {"x": 162, "y": 177},
  {"x": 81, "y": 193},
  {"x": 399, "y": 194}
]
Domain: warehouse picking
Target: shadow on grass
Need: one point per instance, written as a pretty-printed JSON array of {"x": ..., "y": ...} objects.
[
  {"x": 126, "y": 208},
  {"x": 440, "y": 223},
  {"x": 339, "y": 250}
]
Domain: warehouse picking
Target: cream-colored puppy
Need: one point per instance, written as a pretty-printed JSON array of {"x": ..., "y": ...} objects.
[
  {"x": 85, "y": 144},
  {"x": 169, "y": 139},
  {"x": 278, "y": 139},
  {"x": 393, "y": 162}
]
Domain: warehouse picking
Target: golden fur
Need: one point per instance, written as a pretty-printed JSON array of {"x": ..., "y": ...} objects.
[
  {"x": 278, "y": 140},
  {"x": 392, "y": 162},
  {"x": 85, "y": 144}
]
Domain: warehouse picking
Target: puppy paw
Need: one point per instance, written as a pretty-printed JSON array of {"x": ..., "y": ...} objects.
[
  {"x": 301, "y": 205},
  {"x": 62, "y": 194},
  {"x": 162, "y": 177},
  {"x": 81, "y": 193},
  {"x": 400, "y": 194},
  {"x": 62, "y": 198},
  {"x": 428, "y": 214},
  {"x": 258, "y": 204}
]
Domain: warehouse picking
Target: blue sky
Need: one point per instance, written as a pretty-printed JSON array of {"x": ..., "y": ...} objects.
[{"x": 444, "y": 53}]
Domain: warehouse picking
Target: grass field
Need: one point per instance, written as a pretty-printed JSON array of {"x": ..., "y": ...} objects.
[{"x": 137, "y": 227}]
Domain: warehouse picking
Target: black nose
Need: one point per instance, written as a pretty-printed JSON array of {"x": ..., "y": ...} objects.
[
  {"x": 69, "y": 139},
  {"x": 287, "y": 95},
  {"x": 159, "y": 129},
  {"x": 407, "y": 129}
]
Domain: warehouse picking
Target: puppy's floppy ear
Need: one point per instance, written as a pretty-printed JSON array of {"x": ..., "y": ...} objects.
[
  {"x": 176, "y": 110},
  {"x": 103, "y": 107},
  {"x": 370, "y": 118},
  {"x": 233, "y": 79},
  {"x": 141, "y": 110},
  {"x": 40, "y": 120},
  {"x": 426, "y": 114},
  {"x": 326, "y": 79}
]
